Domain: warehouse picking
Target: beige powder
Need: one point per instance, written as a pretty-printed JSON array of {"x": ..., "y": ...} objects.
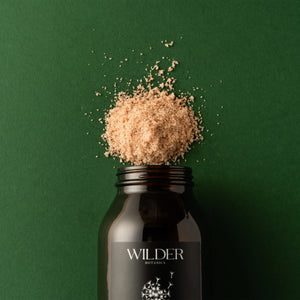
[{"x": 151, "y": 126}]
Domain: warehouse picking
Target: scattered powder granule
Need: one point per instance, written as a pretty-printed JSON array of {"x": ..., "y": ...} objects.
[
  {"x": 169, "y": 44},
  {"x": 151, "y": 126},
  {"x": 160, "y": 72},
  {"x": 174, "y": 63}
]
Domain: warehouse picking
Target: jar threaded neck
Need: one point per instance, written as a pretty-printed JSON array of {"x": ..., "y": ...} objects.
[{"x": 154, "y": 175}]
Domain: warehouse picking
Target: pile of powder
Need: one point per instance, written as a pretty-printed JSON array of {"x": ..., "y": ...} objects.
[{"x": 151, "y": 126}]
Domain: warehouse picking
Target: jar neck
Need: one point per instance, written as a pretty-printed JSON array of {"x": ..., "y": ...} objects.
[
  {"x": 143, "y": 188},
  {"x": 136, "y": 179}
]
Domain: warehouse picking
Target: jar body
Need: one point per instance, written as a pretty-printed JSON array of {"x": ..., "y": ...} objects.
[{"x": 150, "y": 245}]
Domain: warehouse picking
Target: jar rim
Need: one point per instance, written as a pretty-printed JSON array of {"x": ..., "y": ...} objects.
[
  {"x": 154, "y": 175},
  {"x": 127, "y": 169}
]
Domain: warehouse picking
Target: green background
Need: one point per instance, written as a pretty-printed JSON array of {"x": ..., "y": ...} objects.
[{"x": 54, "y": 192}]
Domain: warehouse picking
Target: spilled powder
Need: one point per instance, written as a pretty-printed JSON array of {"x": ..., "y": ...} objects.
[{"x": 151, "y": 125}]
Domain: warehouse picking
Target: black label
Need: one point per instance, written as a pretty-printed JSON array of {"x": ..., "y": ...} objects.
[{"x": 155, "y": 271}]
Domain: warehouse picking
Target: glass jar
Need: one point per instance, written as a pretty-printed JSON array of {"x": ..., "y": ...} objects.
[{"x": 149, "y": 243}]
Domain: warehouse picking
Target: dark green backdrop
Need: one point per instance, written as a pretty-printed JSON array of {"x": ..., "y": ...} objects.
[{"x": 54, "y": 192}]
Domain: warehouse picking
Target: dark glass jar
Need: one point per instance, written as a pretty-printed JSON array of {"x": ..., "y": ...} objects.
[{"x": 149, "y": 243}]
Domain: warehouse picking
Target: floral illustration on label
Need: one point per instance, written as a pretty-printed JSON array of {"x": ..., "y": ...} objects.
[{"x": 152, "y": 290}]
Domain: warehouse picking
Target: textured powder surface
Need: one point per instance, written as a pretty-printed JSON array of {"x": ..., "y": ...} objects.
[{"x": 151, "y": 126}]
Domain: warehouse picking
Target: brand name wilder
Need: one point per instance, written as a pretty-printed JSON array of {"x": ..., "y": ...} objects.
[{"x": 155, "y": 254}]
